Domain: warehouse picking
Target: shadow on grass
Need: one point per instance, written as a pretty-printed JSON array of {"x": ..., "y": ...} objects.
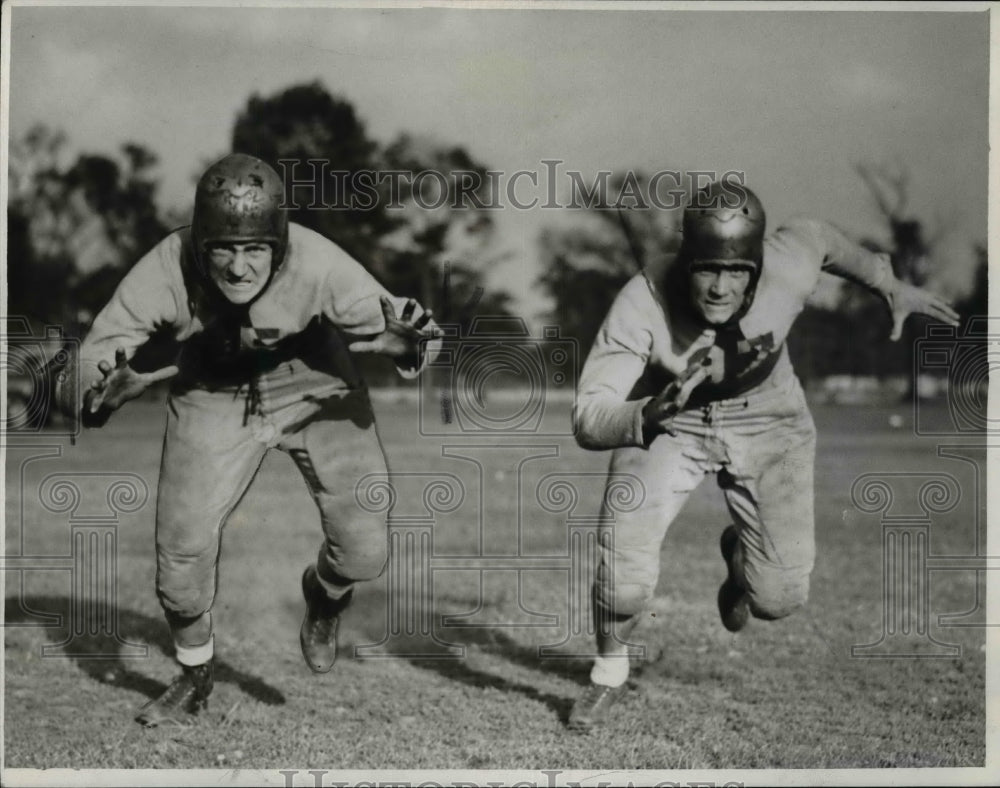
[
  {"x": 110, "y": 660},
  {"x": 457, "y": 670},
  {"x": 496, "y": 642}
]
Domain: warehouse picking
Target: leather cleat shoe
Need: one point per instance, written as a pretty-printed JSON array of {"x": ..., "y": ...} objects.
[
  {"x": 591, "y": 708},
  {"x": 186, "y": 695},
  {"x": 733, "y": 606},
  {"x": 318, "y": 635}
]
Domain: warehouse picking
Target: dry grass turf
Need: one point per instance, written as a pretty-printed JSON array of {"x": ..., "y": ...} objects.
[{"x": 786, "y": 694}]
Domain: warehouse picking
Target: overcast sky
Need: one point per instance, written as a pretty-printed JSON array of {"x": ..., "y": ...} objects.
[{"x": 794, "y": 99}]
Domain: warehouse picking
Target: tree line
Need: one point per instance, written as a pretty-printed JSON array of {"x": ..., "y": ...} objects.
[{"x": 75, "y": 229}]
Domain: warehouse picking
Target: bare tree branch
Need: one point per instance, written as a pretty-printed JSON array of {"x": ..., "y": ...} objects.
[{"x": 889, "y": 187}]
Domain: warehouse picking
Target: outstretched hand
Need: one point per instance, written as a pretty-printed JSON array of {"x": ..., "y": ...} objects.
[
  {"x": 401, "y": 338},
  {"x": 121, "y": 383},
  {"x": 904, "y": 300},
  {"x": 659, "y": 412}
]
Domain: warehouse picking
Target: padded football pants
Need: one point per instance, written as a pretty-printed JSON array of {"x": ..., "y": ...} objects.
[
  {"x": 213, "y": 447},
  {"x": 761, "y": 449}
]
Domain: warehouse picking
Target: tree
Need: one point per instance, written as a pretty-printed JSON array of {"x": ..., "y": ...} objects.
[
  {"x": 910, "y": 249},
  {"x": 584, "y": 267},
  {"x": 582, "y": 294},
  {"x": 39, "y": 263},
  {"x": 75, "y": 230},
  {"x": 370, "y": 200},
  {"x": 441, "y": 244},
  {"x": 339, "y": 183},
  {"x": 320, "y": 146},
  {"x": 441, "y": 247},
  {"x": 976, "y": 303}
]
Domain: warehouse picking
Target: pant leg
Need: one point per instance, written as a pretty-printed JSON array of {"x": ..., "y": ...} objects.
[
  {"x": 209, "y": 460},
  {"x": 335, "y": 448},
  {"x": 769, "y": 489},
  {"x": 630, "y": 542}
]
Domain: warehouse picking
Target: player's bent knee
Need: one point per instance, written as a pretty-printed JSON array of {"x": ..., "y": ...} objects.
[
  {"x": 184, "y": 603},
  {"x": 367, "y": 563},
  {"x": 625, "y": 599},
  {"x": 368, "y": 569},
  {"x": 779, "y": 600},
  {"x": 185, "y": 587}
]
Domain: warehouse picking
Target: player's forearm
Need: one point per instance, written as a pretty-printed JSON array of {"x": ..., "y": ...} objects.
[
  {"x": 115, "y": 328},
  {"x": 147, "y": 298},
  {"x": 605, "y": 417},
  {"x": 853, "y": 262},
  {"x": 361, "y": 321},
  {"x": 606, "y": 422}
]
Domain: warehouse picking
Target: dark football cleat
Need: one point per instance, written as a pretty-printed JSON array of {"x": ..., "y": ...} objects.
[
  {"x": 733, "y": 607},
  {"x": 591, "y": 708},
  {"x": 318, "y": 635},
  {"x": 186, "y": 695}
]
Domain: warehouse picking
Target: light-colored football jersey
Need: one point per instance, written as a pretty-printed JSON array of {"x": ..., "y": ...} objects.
[
  {"x": 317, "y": 284},
  {"x": 639, "y": 347}
]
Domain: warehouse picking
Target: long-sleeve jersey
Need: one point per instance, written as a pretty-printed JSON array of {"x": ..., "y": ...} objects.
[
  {"x": 316, "y": 298},
  {"x": 638, "y": 348}
]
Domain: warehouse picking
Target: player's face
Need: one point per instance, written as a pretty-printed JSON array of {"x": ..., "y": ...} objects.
[
  {"x": 718, "y": 287},
  {"x": 240, "y": 270}
]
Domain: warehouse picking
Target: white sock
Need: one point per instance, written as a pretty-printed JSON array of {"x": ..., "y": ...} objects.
[
  {"x": 197, "y": 655},
  {"x": 611, "y": 670}
]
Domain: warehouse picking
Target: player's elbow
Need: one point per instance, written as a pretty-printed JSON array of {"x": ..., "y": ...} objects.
[
  {"x": 586, "y": 440},
  {"x": 590, "y": 431},
  {"x": 582, "y": 429}
]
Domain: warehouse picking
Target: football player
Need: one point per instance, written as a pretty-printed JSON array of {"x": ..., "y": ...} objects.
[
  {"x": 265, "y": 312},
  {"x": 689, "y": 376}
]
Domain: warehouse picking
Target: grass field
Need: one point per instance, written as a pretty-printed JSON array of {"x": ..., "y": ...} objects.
[{"x": 786, "y": 694}]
